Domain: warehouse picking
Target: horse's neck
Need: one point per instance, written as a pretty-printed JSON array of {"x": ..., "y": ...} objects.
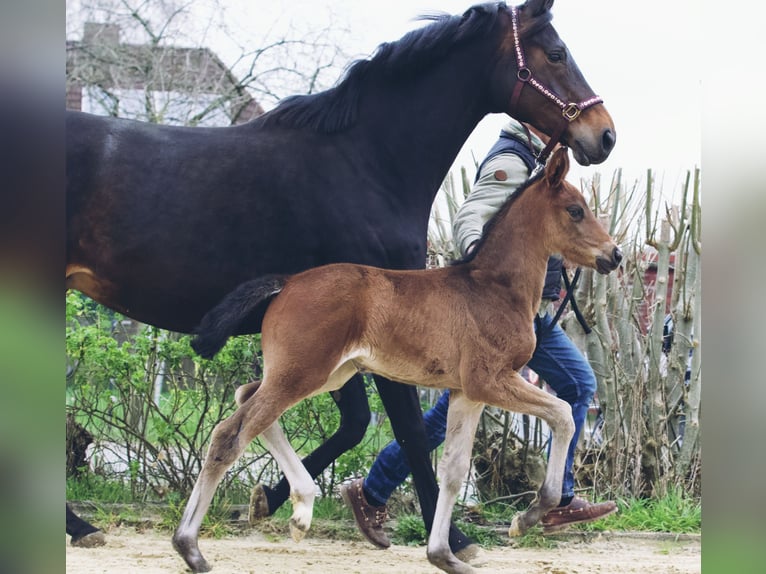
[
  {"x": 420, "y": 125},
  {"x": 514, "y": 257}
]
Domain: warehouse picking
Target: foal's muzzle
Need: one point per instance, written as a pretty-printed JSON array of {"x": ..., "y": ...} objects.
[{"x": 606, "y": 264}]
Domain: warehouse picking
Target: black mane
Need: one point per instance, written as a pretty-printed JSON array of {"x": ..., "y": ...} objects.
[
  {"x": 335, "y": 109},
  {"x": 499, "y": 215}
]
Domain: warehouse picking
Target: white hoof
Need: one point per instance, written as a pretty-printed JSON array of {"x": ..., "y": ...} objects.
[{"x": 297, "y": 531}]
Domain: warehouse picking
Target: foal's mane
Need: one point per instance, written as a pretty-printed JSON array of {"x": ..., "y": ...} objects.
[
  {"x": 490, "y": 225},
  {"x": 335, "y": 109}
]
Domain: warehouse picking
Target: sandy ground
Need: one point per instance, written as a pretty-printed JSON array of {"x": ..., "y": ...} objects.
[{"x": 150, "y": 552}]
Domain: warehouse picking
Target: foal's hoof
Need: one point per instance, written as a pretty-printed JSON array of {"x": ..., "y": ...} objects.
[
  {"x": 297, "y": 530},
  {"x": 473, "y": 555},
  {"x": 189, "y": 551},
  {"x": 91, "y": 540},
  {"x": 449, "y": 563}
]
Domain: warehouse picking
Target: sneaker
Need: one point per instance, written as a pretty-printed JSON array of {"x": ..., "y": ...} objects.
[
  {"x": 576, "y": 512},
  {"x": 368, "y": 518}
]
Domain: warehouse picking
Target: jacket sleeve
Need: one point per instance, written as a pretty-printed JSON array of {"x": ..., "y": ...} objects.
[{"x": 489, "y": 193}]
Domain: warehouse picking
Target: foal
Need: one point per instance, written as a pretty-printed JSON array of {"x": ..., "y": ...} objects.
[{"x": 467, "y": 327}]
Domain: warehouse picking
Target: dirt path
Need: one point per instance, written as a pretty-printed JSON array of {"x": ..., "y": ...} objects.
[{"x": 128, "y": 551}]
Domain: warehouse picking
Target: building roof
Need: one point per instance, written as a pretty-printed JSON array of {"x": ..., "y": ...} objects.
[{"x": 101, "y": 60}]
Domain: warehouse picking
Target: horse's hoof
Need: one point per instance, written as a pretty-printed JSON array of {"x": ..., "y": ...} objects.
[
  {"x": 259, "y": 505},
  {"x": 516, "y": 528},
  {"x": 91, "y": 540},
  {"x": 189, "y": 551}
]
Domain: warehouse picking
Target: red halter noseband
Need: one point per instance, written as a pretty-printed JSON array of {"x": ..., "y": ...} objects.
[{"x": 569, "y": 111}]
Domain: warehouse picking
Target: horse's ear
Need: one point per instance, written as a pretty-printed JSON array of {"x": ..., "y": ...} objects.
[
  {"x": 557, "y": 167},
  {"x": 537, "y": 7}
]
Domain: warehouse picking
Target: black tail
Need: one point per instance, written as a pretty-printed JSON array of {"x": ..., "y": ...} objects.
[{"x": 221, "y": 321}]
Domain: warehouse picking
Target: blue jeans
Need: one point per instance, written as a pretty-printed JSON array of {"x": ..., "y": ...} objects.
[
  {"x": 556, "y": 360},
  {"x": 391, "y": 468}
]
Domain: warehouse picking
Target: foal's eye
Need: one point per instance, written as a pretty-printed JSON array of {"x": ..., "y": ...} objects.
[{"x": 575, "y": 212}]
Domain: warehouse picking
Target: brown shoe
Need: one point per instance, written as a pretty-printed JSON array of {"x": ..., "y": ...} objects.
[
  {"x": 259, "y": 506},
  {"x": 368, "y": 518},
  {"x": 575, "y": 512}
]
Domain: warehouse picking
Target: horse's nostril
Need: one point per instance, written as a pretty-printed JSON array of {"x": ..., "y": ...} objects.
[
  {"x": 608, "y": 140},
  {"x": 617, "y": 255}
]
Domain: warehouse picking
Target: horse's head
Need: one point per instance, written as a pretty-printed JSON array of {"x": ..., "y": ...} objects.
[
  {"x": 536, "y": 80},
  {"x": 571, "y": 228}
]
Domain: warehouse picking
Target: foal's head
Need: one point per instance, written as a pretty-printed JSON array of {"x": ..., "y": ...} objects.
[{"x": 568, "y": 225}]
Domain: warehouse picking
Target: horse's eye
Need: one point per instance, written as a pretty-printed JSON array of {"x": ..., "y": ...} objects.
[
  {"x": 555, "y": 57},
  {"x": 575, "y": 212}
]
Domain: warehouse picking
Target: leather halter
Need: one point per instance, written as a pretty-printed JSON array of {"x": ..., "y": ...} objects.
[{"x": 569, "y": 111}]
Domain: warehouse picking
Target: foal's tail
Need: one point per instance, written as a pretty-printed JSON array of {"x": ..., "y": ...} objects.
[{"x": 222, "y": 321}]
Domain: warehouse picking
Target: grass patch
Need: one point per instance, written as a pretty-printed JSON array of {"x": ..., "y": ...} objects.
[
  {"x": 215, "y": 524},
  {"x": 94, "y": 487},
  {"x": 486, "y": 537},
  {"x": 409, "y": 531},
  {"x": 328, "y": 508},
  {"x": 676, "y": 513},
  {"x": 534, "y": 538},
  {"x": 331, "y": 520}
]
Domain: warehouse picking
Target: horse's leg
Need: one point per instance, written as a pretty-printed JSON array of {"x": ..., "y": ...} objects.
[
  {"x": 403, "y": 409},
  {"x": 229, "y": 439},
  {"x": 462, "y": 419},
  {"x": 512, "y": 392},
  {"x": 83, "y": 533},
  {"x": 354, "y": 420}
]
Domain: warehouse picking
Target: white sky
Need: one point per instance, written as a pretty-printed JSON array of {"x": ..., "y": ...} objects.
[{"x": 641, "y": 57}]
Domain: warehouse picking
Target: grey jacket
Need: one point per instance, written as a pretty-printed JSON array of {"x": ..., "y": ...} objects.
[{"x": 500, "y": 176}]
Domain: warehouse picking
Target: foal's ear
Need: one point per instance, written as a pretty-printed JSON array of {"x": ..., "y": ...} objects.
[{"x": 557, "y": 167}]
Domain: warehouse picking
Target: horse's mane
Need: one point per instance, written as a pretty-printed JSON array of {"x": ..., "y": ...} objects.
[
  {"x": 335, "y": 109},
  {"x": 499, "y": 215}
]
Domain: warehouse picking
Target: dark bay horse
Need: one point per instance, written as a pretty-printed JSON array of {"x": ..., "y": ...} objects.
[
  {"x": 468, "y": 327},
  {"x": 163, "y": 222}
]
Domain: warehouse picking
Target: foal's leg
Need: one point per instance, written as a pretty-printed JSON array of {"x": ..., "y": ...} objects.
[
  {"x": 403, "y": 409},
  {"x": 354, "y": 409},
  {"x": 229, "y": 439},
  {"x": 512, "y": 392},
  {"x": 462, "y": 419},
  {"x": 302, "y": 489}
]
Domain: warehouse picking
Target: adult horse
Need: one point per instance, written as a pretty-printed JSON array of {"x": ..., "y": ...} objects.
[
  {"x": 468, "y": 327},
  {"x": 163, "y": 221}
]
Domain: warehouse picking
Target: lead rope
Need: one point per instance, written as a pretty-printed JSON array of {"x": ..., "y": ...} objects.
[{"x": 568, "y": 298}]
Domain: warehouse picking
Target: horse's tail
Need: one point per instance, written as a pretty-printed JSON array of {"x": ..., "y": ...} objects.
[{"x": 222, "y": 321}]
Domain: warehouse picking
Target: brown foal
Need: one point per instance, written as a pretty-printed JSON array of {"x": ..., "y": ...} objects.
[{"x": 467, "y": 327}]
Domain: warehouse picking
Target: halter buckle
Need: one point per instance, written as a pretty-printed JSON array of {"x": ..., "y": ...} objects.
[
  {"x": 570, "y": 112},
  {"x": 524, "y": 74}
]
